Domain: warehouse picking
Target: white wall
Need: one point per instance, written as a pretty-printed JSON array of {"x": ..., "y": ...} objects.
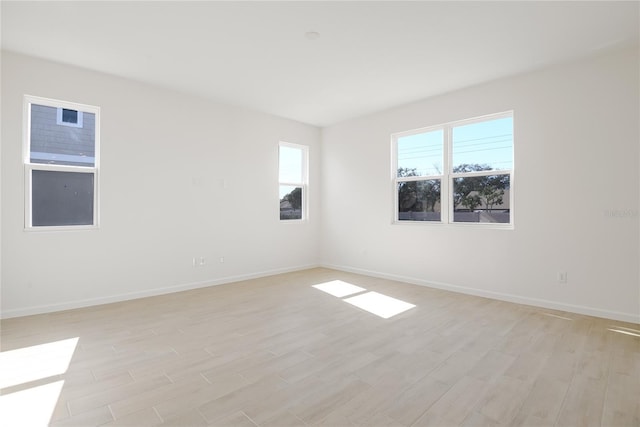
[
  {"x": 164, "y": 157},
  {"x": 577, "y": 160}
]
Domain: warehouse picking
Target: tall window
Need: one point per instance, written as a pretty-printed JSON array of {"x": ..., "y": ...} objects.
[
  {"x": 458, "y": 172},
  {"x": 61, "y": 153},
  {"x": 293, "y": 181}
]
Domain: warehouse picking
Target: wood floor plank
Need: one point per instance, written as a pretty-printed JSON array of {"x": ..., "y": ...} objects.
[
  {"x": 414, "y": 401},
  {"x": 114, "y": 394},
  {"x": 622, "y": 401},
  {"x": 184, "y": 418},
  {"x": 233, "y": 402},
  {"x": 154, "y": 396},
  {"x": 543, "y": 403},
  {"x": 93, "y": 417},
  {"x": 141, "y": 418},
  {"x": 178, "y": 406},
  {"x": 584, "y": 402},
  {"x": 504, "y": 399},
  {"x": 237, "y": 419},
  {"x": 455, "y": 405}
]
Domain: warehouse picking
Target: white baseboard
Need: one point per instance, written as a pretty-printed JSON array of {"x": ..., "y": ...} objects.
[
  {"x": 589, "y": 311},
  {"x": 50, "y": 308}
]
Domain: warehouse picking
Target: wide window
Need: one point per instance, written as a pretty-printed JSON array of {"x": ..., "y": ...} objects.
[
  {"x": 293, "y": 181},
  {"x": 61, "y": 164},
  {"x": 458, "y": 172}
]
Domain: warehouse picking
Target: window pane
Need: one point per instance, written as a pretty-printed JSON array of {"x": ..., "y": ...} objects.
[
  {"x": 61, "y": 198},
  {"x": 291, "y": 202},
  {"x": 69, "y": 116},
  {"x": 290, "y": 164},
  {"x": 419, "y": 200},
  {"x": 483, "y": 146},
  {"x": 481, "y": 199},
  {"x": 420, "y": 154},
  {"x": 55, "y": 143}
]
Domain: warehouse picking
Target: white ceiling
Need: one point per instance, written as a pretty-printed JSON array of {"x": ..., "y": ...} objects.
[{"x": 370, "y": 55}]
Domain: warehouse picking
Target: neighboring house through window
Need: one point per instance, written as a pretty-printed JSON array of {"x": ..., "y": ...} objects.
[
  {"x": 61, "y": 164},
  {"x": 459, "y": 172}
]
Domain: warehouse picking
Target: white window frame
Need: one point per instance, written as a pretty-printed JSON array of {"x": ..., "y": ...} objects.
[
  {"x": 30, "y": 167},
  {"x": 304, "y": 184},
  {"x": 447, "y": 176},
  {"x": 61, "y": 122}
]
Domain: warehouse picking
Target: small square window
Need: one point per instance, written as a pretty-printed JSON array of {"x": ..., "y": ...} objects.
[{"x": 69, "y": 117}]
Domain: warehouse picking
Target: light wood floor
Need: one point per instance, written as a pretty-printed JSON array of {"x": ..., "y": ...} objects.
[{"x": 277, "y": 352}]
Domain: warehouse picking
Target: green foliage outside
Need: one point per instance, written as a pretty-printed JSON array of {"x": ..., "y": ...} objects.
[
  {"x": 468, "y": 192},
  {"x": 295, "y": 201},
  {"x": 417, "y": 196}
]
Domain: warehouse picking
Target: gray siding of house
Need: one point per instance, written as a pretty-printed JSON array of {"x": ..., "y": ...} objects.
[{"x": 54, "y": 139}]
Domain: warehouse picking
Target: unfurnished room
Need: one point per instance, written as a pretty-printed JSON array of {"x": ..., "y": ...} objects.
[{"x": 331, "y": 213}]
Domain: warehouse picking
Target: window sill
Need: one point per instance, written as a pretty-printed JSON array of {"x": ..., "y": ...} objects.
[
  {"x": 61, "y": 228},
  {"x": 482, "y": 226}
]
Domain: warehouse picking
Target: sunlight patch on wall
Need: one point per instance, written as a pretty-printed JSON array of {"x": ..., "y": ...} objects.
[
  {"x": 379, "y": 304},
  {"x": 339, "y": 289}
]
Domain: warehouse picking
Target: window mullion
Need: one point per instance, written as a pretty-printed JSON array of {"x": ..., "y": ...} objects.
[
  {"x": 446, "y": 198},
  {"x": 28, "y": 217},
  {"x": 419, "y": 178},
  {"x": 293, "y": 184},
  {"x": 490, "y": 172},
  {"x": 61, "y": 168}
]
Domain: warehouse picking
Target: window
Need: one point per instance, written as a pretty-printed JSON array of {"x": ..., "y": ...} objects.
[
  {"x": 67, "y": 117},
  {"x": 459, "y": 172},
  {"x": 293, "y": 160},
  {"x": 419, "y": 175},
  {"x": 61, "y": 164}
]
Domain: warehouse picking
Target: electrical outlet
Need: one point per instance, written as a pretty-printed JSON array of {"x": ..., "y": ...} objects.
[
  {"x": 202, "y": 261},
  {"x": 562, "y": 277},
  {"x": 194, "y": 262},
  {"x": 221, "y": 259}
]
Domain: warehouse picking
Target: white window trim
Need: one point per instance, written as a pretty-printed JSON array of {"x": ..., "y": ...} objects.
[
  {"x": 29, "y": 167},
  {"x": 446, "y": 179},
  {"x": 304, "y": 184},
  {"x": 60, "y": 122}
]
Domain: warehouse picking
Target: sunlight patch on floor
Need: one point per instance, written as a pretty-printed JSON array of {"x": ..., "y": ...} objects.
[
  {"x": 339, "y": 289},
  {"x": 373, "y": 302},
  {"x": 379, "y": 304},
  {"x": 33, "y": 405},
  {"x": 36, "y": 362}
]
